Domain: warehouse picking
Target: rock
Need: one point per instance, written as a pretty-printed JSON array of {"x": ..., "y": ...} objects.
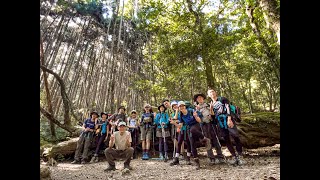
[
  {"x": 125, "y": 171},
  {"x": 45, "y": 173}
]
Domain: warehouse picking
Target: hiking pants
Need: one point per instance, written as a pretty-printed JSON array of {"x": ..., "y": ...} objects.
[
  {"x": 83, "y": 143},
  {"x": 210, "y": 133},
  {"x": 99, "y": 143},
  {"x": 233, "y": 132},
  {"x": 183, "y": 136},
  {"x": 195, "y": 133},
  {"x": 113, "y": 154}
]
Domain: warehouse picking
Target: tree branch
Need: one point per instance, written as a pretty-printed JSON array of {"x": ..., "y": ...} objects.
[{"x": 50, "y": 117}]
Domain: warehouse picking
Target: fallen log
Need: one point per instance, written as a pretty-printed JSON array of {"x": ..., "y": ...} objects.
[{"x": 256, "y": 130}]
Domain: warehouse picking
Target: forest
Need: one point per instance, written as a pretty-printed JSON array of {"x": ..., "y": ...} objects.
[{"x": 98, "y": 55}]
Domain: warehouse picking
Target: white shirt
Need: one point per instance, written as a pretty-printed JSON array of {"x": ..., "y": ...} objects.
[{"x": 121, "y": 140}]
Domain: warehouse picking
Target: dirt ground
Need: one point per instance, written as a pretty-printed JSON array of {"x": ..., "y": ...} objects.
[{"x": 262, "y": 163}]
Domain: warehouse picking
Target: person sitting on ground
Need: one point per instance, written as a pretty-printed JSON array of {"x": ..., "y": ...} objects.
[
  {"x": 101, "y": 133},
  {"x": 122, "y": 140},
  {"x": 85, "y": 139}
]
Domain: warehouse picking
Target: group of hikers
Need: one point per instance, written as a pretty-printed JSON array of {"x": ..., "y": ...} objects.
[{"x": 204, "y": 123}]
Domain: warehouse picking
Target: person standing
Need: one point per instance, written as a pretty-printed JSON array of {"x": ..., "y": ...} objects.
[
  {"x": 162, "y": 123},
  {"x": 208, "y": 129},
  {"x": 191, "y": 118},
  {"x": 183, "y": 136},
  {"x": 227, "y": 126},
  {"x": 133, "y": 125},
  {"x": 146, "y": 129},
  {"x": 115, "y": 118}
]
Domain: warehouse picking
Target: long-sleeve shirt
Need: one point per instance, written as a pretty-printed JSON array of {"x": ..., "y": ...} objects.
[{"x": 162, "y": 118}]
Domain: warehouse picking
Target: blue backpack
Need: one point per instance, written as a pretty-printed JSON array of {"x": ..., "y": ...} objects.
[{"x": 235, "y": 111}]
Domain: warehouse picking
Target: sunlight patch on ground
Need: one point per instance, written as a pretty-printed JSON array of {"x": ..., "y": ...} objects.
[{"x": 70, "y": 167}]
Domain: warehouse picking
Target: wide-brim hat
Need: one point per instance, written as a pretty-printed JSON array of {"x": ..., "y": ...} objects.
[
  {"x": 122, "y": 123},
  {"x": 165, "y": 100},
  {"x": 162, "y": 106},
  {"x": 174, "y": 103},
  {"x": 122, "y": 107},
  {"x": 133, "y": 111},
  {"x": 147, "y": 105},
  {"x": 94, "y": 112},
  {"x": 102, "y": 113},
  {"x": 181, "y": 103},
  {"x": 197, "y": 95}
]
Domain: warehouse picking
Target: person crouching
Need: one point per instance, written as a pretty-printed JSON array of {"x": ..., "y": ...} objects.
[{"x": 122, "y": 140}]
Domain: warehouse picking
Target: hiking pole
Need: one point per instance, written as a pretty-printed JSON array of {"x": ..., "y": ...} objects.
[
  {"x": 174, "y": 141},
  {"x": 135, "y": 141},
  {"x": 214, "y": 130},
  {"x": 163, "y": 133},
  {"x": 201, "y": 123},
  {"x": 154, "y": 152}
]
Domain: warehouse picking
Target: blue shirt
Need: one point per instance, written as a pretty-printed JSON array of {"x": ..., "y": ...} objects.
[
  {"x": 184, "y": 127},
  {"x": 162, "y": 118},
  {"x": 89, "y": 124},
  {"x": 103, "y": 126},
  {"x": 188, "y": 119}
]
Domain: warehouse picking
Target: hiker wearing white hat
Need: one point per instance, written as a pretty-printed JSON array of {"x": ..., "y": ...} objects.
[
  {"x": 146, "y": 129},
  {"x": 133, "y": 124},
  {"x": 191, "y": 118},
  {"x": 123, "y": 150}
]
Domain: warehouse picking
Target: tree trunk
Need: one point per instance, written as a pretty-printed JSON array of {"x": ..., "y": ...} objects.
[
  {"x": 66, "y": 102},
  {"x": 271, "y": 56},
  {"x": 271, "y": 14},
  {"x": 208, "y": 70},
  {"x": 52, "y": 128}
]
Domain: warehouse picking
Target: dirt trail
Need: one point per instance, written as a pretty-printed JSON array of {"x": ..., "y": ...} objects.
[{"x": 262, "y": 163}]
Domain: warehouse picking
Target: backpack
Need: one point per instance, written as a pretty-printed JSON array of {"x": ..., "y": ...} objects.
[
  {"x": 234, "y": 110},
  {"x": 189, "y": 105}
]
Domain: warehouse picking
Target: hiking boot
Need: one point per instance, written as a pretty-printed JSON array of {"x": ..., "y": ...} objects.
[
  {"x": 188, "y": 160},
  {"x": 234, "y": 160},
  {"x": 207, "y": 142},
  {"x": 76, "y": 162},
  {"x": 161, "y": 157},
  {"x": 197, "y": 161},
  {"x": 240, "y": 160},
  {"x": 83, "y": 162},
  {"x": 147, "y": 156},
  {"x": 110, "y": 168},
  {"x": 93, "y": 159},
  {"x": 219, "y": 160},
  {"x": 183, "y": 156},
  {"x": 175, "y": 161},
  {"x": 211, "y": 161},
  {"x": 127, "y": 166},
  {"x": 166, "y": 157},
  {"x": 144, "y": 156}
]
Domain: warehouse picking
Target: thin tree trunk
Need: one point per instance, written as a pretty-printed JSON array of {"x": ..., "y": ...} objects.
[{"x": 52, "y": 128}]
